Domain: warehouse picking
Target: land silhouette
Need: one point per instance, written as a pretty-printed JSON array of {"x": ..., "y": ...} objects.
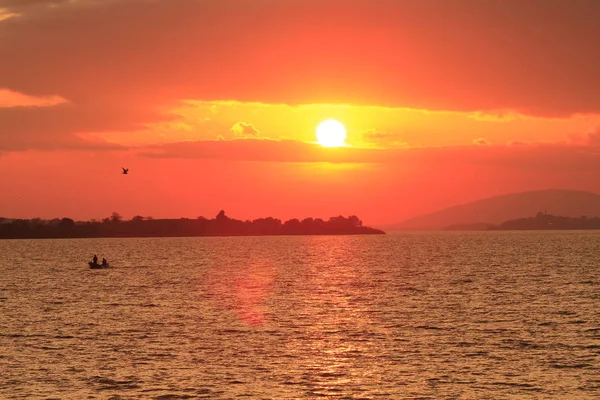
[
  {"x": 540, "y": 221},
  {"x": 494, "y": 211},
  {"x": 221, "y": 225}
]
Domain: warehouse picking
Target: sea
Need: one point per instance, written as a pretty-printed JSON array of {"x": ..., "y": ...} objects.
[{"x": 439, "y": 315}]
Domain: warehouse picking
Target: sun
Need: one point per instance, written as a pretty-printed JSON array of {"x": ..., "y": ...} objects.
[{"x": 331, "y": 133}]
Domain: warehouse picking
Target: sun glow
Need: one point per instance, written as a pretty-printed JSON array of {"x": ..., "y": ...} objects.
[{"x": 331, "y": 133}]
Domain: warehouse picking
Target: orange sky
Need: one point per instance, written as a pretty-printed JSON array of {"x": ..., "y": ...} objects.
[{"x": 214, "y": 104}]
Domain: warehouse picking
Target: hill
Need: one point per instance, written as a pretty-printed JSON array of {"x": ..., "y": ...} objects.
[{"x": 498, "y": 209}]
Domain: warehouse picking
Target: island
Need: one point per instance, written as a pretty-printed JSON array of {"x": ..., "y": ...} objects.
[
  {"x": 541, "y": 221},
  {"x": 221, "y": 225}
]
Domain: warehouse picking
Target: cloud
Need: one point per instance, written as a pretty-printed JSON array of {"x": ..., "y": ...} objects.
[
  {"x": 50, "y": 127},
  {"x": 382, "y": 138},
  {"x": 64, "y": 143},
  {"x": 95, "y": 39},
  {"x": 19, "y": 5},
  {"x": 261, "y": 150},
  {"x": 6, "y": 14},
  {"x": 9, "y": 98},
  {"x": 12, "y": 4},
  {"x": 482, "y": 142},
  {"x": 26, "y": 8},
  {"x": 589, "y": 138},
  {"x": 515, "y": 162},
  {"x": 593, "y": 138},
  {"x": 495, "y": 116},
  {"x": 242, "y": 128},
  {"x": 518, "y": 143},
  {"x": 126, "y": 60},
  {"x": 377, "y": 135}
]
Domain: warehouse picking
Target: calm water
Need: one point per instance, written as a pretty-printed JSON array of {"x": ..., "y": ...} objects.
[{"x": 428, "y": 316}]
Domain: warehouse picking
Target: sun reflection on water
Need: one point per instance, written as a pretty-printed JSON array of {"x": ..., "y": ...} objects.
[
  {"x": 251, "y": 290},
  {"x": 331, "y": 306}
]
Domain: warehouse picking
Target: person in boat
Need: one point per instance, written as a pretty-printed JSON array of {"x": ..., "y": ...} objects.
[
  {"x": 104, "y": 262},
  {"x": 95, "y": 259}
]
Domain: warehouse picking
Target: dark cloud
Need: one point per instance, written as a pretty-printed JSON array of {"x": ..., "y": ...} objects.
[{"x": 124, "y": 59}]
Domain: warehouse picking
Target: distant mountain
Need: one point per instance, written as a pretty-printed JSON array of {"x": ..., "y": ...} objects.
[{"x": 495, "y": 210}]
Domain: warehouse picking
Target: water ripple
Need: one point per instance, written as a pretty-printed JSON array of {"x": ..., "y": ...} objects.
[{"x": 419, "y": 316}]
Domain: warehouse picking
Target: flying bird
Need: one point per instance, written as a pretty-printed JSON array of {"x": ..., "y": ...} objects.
[{"x": 125, "y": 171}]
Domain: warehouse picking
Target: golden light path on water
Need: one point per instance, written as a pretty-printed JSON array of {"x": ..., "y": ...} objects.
[
  {"x": 422, "y": 315},
  {"x": 323, "y": 315}
]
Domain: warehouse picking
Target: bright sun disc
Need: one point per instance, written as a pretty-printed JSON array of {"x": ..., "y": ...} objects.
[{"x": 331, "y": 133}]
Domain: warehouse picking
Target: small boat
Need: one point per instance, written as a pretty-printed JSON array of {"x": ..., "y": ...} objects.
[{"x": 94, "y": 265}]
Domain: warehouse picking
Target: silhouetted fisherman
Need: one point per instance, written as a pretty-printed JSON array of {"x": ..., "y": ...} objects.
[
  {"x": 95, "y": 259},
  {"x": 104, "y": 261}
]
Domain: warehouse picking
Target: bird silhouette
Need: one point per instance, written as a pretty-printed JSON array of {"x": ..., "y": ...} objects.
[{"x": 125, "y": 171}]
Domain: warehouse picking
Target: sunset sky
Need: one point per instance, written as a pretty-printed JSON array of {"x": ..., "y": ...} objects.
[{"x": 213, "y": 104}]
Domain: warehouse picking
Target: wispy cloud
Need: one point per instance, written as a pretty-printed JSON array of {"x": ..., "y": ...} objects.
[
  {"x": 552, "y": 158},
  {"x": 6, "y": 14},
  {"x": 262, "y": 150},
  {"x": 9, "y": 98}
]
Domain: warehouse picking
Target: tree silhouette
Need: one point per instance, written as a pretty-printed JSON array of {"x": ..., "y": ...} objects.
[
  {"x": 66, "y": 226},
  {"x": 116, "y": 217},
  {"x": 221, "y": 225}
]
